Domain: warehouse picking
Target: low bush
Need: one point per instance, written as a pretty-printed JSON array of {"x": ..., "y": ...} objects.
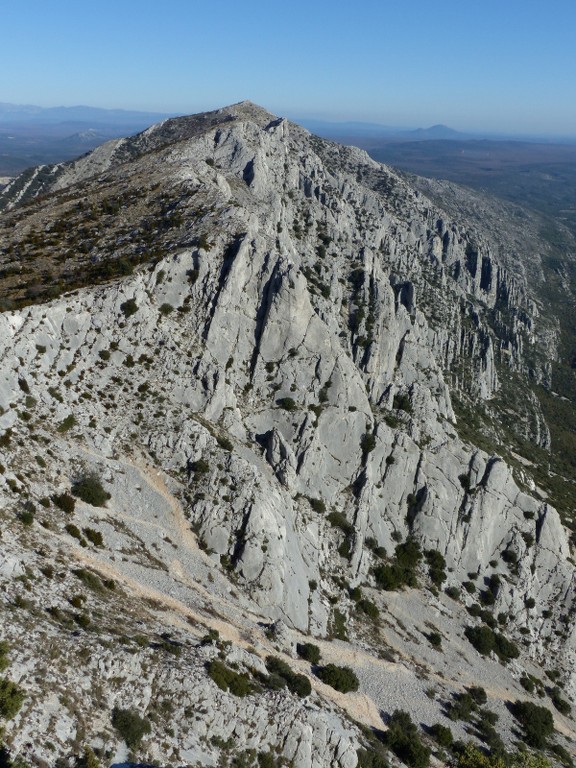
[
  {"x": 227, "y": 679},
  {"x": 442, "y": 734},
  {"x": 369, "y": 608},
  {"x": 485, "y": 640},
  {"x": 560, "y": 704},
  {"x": 402, "y": 571},
  {"x": 462, "y": 707},
  {"x": 308, "y": 652},
  {"x": 403, "y": 739},
  {"x": 94, "y": 537},
  {"x": 65, "y": 502},
  {"x": 527, "y": 683},
  {"x": 537, "y": 722},
  {"x": 369, "y": 758},
  {"x": 66, "y": 424},
  {"x": 478, "y": 694},
  {"x": 436, "y": 566},
  {"x": 129, "y": 307},
  {"x": 317, "y": 505},
  {"x": 368, "y": 443},
  {"x": 563, "y": 755},
  {"x": 89, "y": 579},
  {"x": 200, "y": 466},
  {"x": 89, "y": 488},
  {"x": 338, "y": 520},
  {"x": 340, "y": 678},
  {"x": 130, "y": 726},
  {"x": 296, "y": 683},
  {"x": 4, "y": 660},
  {"x": 11, "y": 698}
]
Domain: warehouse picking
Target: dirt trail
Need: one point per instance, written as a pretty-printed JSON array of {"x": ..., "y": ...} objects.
[
  {"x": 153, "y": 477},
  {"x": 224, "y": 613}
]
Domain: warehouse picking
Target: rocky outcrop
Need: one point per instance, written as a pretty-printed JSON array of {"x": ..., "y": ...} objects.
[{"x": 290, "y": 358}]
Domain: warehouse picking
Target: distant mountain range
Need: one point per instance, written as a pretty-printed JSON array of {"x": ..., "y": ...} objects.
[
  {"x": 31, "y": 135},
  {"x": 365, "y": 134},
  {"x": 371, "y": 131},
  {"x": 28, "y": 113}
]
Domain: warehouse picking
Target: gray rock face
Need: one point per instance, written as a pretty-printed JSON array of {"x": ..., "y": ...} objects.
[{"x": 291, "y": 362}]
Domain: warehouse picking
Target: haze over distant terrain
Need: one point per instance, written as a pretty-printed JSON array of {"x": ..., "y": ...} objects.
[
  {"x": 475, "y": 67},
  {"x": 32, "y": 135}
]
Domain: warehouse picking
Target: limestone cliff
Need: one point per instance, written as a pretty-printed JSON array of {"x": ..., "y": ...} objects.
[{"x": 290, "y": 339}]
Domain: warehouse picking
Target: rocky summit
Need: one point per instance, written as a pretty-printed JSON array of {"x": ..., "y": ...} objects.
[{"x": 285, "y": 461}]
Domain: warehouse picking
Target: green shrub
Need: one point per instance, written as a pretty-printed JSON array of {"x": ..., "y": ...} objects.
[
  {"x": 130, "y": 726},
  {"x": 478, "y": 694},
  {"x": 66, "y": 424},
  {"x": 437, "y": 566},
  {"x": 296, "y": 683},
  {"x": 442, "y": 734},
  {"x": 402, "y": 571},
  {"x": 6, "y": 760},
  {"x": 338, "y": 520},
  {"x": 89, "y": 488},
  {"x": 462, "y": 707},
  {"x": 403, "y": 739},
  {"x": 369, "y": 608},
  {"x": 527, "y": 683},
  {"x": 65, "y": 502},
  {"x": 73, "y": 531},
  {"x": 94, "y": 537},
  {"x": 165, "y": 309},
  {"x": 505, "y": 649},
  {"x": 309, "y": 652},
  {"x": 402, "y": 402},
  {"x": 368, "y": 443},
  {"x": 87, "y": 759},
  {"x": 227, "y": 679},
  {"x": 368, "y": 758},
  {"x": 485, "y": 640},
  {"x": 287, "y": 403},
  {"x": 200, "y": 466},
  {"x": 317, "y": 505},
  {"x": 225, "y": 443},
  {"x": 563, "y": 755},
  {"x": 561, "y": 704},
  {"x": 338, "y": 627},
  {"x": 4, "y": 661},
  {"x": 129, "y": 307},
  {"x": 89, "y": 579},
  {"x": 537, "y": 722},
  {"x": 11, "y": 698},
  {"x": 341, "y": 678},
  {"x": 26, "y": 517}
]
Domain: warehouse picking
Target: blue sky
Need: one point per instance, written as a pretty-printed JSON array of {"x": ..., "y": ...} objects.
[{"x": 500, "y": 65}]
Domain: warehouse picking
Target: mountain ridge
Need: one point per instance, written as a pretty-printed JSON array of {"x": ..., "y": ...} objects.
[{"x": 284, "y": 339}]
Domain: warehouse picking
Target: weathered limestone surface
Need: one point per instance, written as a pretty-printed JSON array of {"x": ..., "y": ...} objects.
[{"x": 302, "y": 368}]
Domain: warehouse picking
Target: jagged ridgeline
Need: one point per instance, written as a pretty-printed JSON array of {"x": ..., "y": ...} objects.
[{"x": 251, "y": 378}]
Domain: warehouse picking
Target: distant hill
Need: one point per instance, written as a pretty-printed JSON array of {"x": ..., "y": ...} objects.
[{"x": 435, "y": 132}]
